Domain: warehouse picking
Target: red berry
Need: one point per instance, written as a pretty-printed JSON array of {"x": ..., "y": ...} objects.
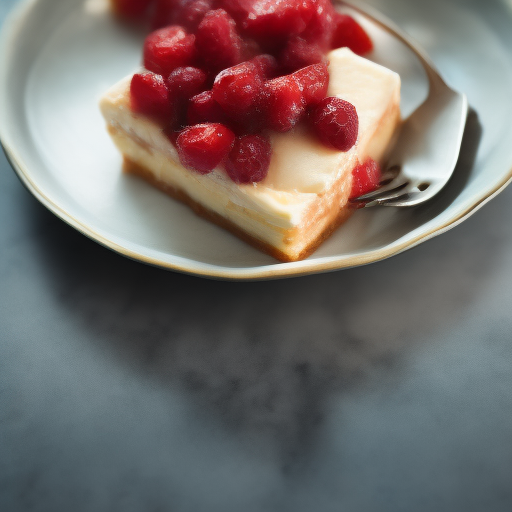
[
  {"x": 250, "y": 49},
  {"x": 321, "y": 26},
  {"x": 238, "y": 9},
  {"x": 350, "y": 34},
  {"x": 238, "y": 90},
  {"x": 267, "y": 65},
  {"x": 271, "y": 22},
  {"x": 218, "y": 41},
  {"x": 183, "y": 83},
  {"x": 164, "y": 13},
  {"x": 298, "y": 53},
  {"x": 336, "y": 123},
  {"x": 283, "y": 103},
  {"x": 249, "y": 159},
  {"x": 193, "y": 12},
  {"x": 203, "y": 108},
  {"x": 167, "y": 48},
  {"x": 365, "y": 178},
  {"x": 204, "y": 146},
  {"x": 149, "y": 96},
  {"x": 314, "y": 81},
  {"x": 131, "y": 9},
  {"x": 187, "y": 13}
]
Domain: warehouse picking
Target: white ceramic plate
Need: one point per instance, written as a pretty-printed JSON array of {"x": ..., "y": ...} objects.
[{"x": 58, "y": 56}]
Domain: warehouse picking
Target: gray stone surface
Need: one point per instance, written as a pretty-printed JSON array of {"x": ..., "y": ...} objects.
[{"x": 128, "y": 388}]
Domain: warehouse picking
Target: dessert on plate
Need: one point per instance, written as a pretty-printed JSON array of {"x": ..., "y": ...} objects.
[{"x": 262, "y": 115}]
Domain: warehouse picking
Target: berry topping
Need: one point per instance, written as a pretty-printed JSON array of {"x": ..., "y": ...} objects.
[
  {"x": 193, "y": 13},
  {"x": 183, "y": 83},
  {"x": 249, "y": 92},
  {"x": 270, "y": 22},
  {"x": 314, "y": 81},
  {"x": 150, "y": 97},
  {"x": 167, "y": 48},
  {"x": 249, "y": 159},
  {"x": 298, "y": 53},
  {"x": 217, "y": 40},
  {"x": 203, "y": 147},
  {"x": 321, "y": 26},
  {"x": 237, "y": 8},
  {"x": 164, "y": 13},
  {"x": 238, "y": 90},
  {"x": 202, "y": 108},
  {"x": 267, "y": 65},
  {"x": 349, "y": 33},
  {"x": 283, "y": 103},
  {"x": 336, "y": 123},
  {"x": 131, "y": 9},
  {"x": 365, "y": 178}
]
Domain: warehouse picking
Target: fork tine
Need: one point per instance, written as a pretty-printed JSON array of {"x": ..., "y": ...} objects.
[
  {"x": 395, "y": 185},
  {"x": 392, "y": 195}
]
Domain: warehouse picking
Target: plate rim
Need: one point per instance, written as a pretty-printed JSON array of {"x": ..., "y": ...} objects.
[{"x": 11, "y": 28}]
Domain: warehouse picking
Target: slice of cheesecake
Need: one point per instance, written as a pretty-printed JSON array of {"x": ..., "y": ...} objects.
[{"x": 305, "y": 195}]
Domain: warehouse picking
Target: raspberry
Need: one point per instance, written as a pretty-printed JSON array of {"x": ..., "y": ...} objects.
[
  {"x": 193, "y": 13},
  {"x": 131, "y": 9},
  {"x": 284, "y": 103},
  {"x": 217, "y": 40},
  {"x": 321, "y": 26},
  {"x": 149, "y": 96},
  {"x": 187, "y": 13},
  {"x": 164, "y": 13},
  {"x": 183, "y": 83},
  {"x": 267, "y": 65},
  {"x": 271, "y": 22},
  {"x": 314, "y": 81},
  {"x": 250, "y": 49},
  {"x": 365, "y": 178},
  {"x": 239, "y": 9},
  {"x": 336, "y": 123},
  {"x": 350, "y": 34},
  {"x": 298, "y": 53},
  {"x": 238, "y": 90},
  {"x": 204, "y": 146},
  {"x": 203, "y": 108},
  {"x": 249, "y": 159},
  {"x": 167, "y": 48}
]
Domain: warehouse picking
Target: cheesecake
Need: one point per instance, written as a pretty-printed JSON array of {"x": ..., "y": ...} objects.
[{"x": 304, "y": 196}]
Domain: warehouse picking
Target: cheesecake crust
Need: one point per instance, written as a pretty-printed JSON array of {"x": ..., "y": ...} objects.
[{"x": 131, "y": 167}]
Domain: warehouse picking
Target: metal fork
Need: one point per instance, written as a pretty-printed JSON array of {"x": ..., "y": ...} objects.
[{"x": 428, "y": 146}]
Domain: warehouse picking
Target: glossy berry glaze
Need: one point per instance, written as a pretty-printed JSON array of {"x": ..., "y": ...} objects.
[{"x": 222, "y": 74}]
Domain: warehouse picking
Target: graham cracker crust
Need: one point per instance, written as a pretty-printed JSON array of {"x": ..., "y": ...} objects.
[{"x": 142, "y": 172}]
